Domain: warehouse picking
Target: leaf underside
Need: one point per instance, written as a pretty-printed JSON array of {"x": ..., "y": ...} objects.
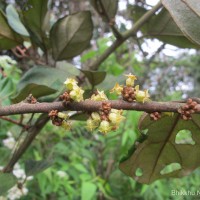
[{"x": 161, "y": 150}]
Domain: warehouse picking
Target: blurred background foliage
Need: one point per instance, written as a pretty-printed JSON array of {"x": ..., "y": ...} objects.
[{"x": 85, "y": 165}]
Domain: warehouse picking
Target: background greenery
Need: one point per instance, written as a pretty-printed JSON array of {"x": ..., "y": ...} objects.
[{"x": 84, "y": 165}]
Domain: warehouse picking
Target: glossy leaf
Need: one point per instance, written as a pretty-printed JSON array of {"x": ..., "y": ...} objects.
[
  {"x": 94, "y": 77},
  {"x": 71, "y": 35},
  {"x": 8, "y": 39},
  {"x": 33, "y": 167},
  {"x": 34, "y": 89},
  {"x": 33, "y": 19},
  {"x": 109, "y": 7},
  {"x": 7, "y": 180},
  {"x": 160, "y": 149},
  {"x": 186, "y": 19},
  {"x": 14, "y": 21}
]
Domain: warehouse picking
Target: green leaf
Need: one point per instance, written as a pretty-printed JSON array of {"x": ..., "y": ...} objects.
[
  {"x": 94, "y": 77},
  {"x": 109, "y": 7},
  {"x": 33, "y": 167},
  {"x": 7, "y": 181},
  {"x": 33, "y": 19},
  {"x": 42, "y": 77},
  {"x": 34, "y": 89},
  {"x": 163, "y": 27},
  {"x": 71, "y": 35},
  {"x": 88, "y": 191},
  {"x": 14, "y": 21},
  {"x": 186, "y": 19},
  {"x": 161, "y": 154},
  {"x": 79, "y": 117},
  {"x": 109, "y": 82},
  {"x": 8, "y": 39},
  {"x": 45, "y": 76}
]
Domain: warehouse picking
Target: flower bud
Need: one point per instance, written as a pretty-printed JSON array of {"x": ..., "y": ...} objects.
[
  {"x": 115, "y": 118},
  {"x": 130, "y": 79},
  {"x": 105, "y": 127},
  {"x": 66, "y": 125},
  {"x": 77, "y": 94},
  {"x": 96, "y": 117},
  {"x": 62, "y": 115},
  {"x": 141, "y": 96},
  {"x": 70, "y": 83},
  {"x": 91, "y": 124},
  {"x": 117, "y": 89},
  {"x": 100, "y": 96}
]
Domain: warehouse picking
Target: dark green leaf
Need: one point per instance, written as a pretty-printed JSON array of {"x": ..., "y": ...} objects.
[
  {"x": 8, "y": 39},
  {"x": 105, "y": 7},
  {"x": 7, "y": 181},
  {"x": 79, "y": 117},
  {"x": 71, "y": 35},
  {"x": 186, "y": 19},
  {"x": 33, "y": 167},
  {"x": 14, "y": 21},
  {"x": 94, "y": 77},
  {"x": 88, "y": 191},
  {"x": 33, "y": 19},
  {"x": 34, "y": 89},
  {"x": 155, "y": 156}
]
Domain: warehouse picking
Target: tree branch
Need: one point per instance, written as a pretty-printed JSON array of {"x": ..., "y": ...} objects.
[
  {"x": 32, "y": 133},
  {"x": 125, "y": 36},
  {"x": 91, "y": 106}
]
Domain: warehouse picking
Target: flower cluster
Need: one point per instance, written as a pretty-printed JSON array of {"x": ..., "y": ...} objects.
[
  {"x": 129, "y": 92},
  {"x": 188, "y": 109},
  {"x": 60, "y": 119},
  {"x": 106, "y": 120},
  {"x": 74, "y": 92},
  {"x": 155, "y": 116}
]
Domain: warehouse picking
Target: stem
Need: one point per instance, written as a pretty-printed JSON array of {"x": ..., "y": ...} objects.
[
  {"x": 14, "y": 122},
  {"x": 32, "y": 133},
  {"x": 125, "y": 36},
  {"x": 91, "y": 106}
]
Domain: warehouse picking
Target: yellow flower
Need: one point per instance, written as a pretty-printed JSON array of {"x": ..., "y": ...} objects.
[
  {"x": 77, "y": 94},
  {"x": 130, "y": 79},
  {"x": 70, "y": 83},
  {"x": 62, "y": 115},
  {"x": 141, "y": 96},
  {"x": 96, "y": 117},
  {"x": 66, "y": 125},
  {"x": 117, "y": 89},
  {"x": 100, "y": 96},
  {"x": 116, "y": 117},
  {"x": 105, "y": 127},
  {"x": 91, "y": 124}
]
